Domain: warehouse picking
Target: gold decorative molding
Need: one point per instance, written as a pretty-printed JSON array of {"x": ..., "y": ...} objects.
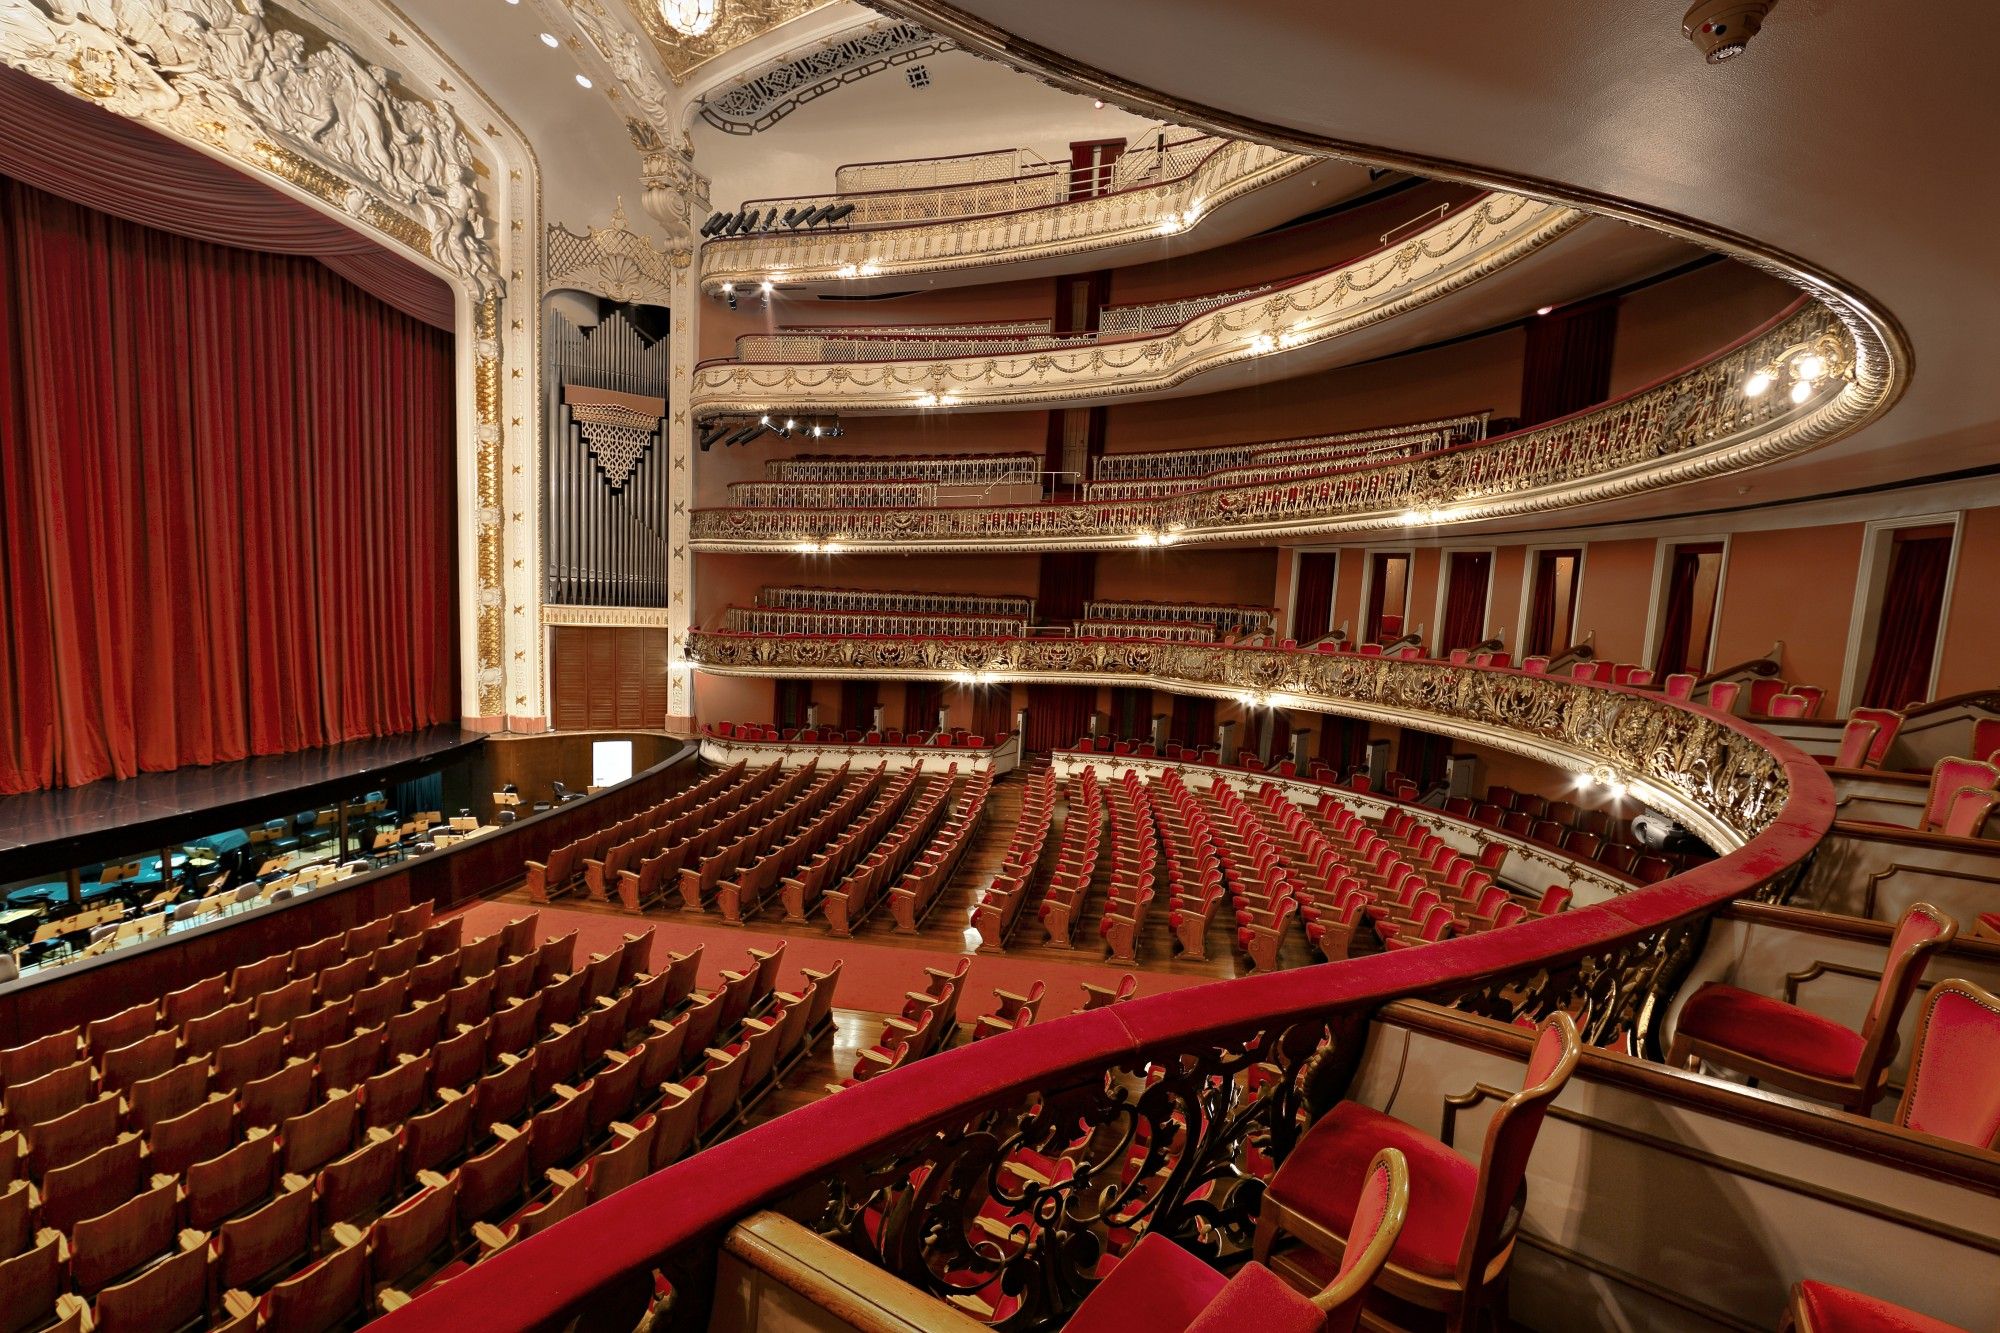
[
  {"x": 1698, "y": 424},
  {"x": 613, "y": 262},
  {"x": 737, "y": 23},
  {"x": 631, "y": 617},
  {"x": 1017, "y": 234},
  {"x": 489, "y": 468},
  {"x": 1714, "y": 777},
  {"x": 1444, "y": 257}
]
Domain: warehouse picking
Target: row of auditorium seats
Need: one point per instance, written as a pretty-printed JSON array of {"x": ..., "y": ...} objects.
[
  {"x": 291, "y": 1143},
  {"x": 997, "y": 908}
]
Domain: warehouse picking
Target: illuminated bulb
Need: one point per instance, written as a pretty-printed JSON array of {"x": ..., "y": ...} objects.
[
  {"x": 1545, "y": 310},
  {"x": 728, "y": 287},
  {"x": 1169, "y": 538},
  {"x": 549, "y": 39},
  {"x": 1098, "y": 103},
  {"x": 1412, "y": 517},
  {"x": 582, "y": 81},
  {"x": 1802, "y": 391},
  {"x": 1145, "y": 539},
  {"x": 1757, "y": 385},
  {"x": 831, "y": 548},
  {"x": 765, "y": 287},
  {"x": 816, "y": 432},
  {"x": 1811, "y": 366},
  {"x": 1263, "y": 343},
  {"x": 764, "y": 420},
  {"x": 789, "y": 423}
]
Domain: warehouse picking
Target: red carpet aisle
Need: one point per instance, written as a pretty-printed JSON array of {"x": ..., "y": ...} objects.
[{"x": 875, "y": 977}]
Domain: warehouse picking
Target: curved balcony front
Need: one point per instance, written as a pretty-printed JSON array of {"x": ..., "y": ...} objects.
[
  {"x": 1310, "y": 323},
  {"x": 1698, "y": 423},
  {"x": 1228, "y": 1070},
  {"x": 1232, "y": 189}
]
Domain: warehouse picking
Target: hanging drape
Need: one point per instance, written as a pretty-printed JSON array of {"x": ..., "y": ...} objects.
[
  {"x": 87, "y": 155},
  {"x": 1342, "y": 742},
  {"x": 1193, "y": 722},
  {"x": 1678, "y": 619},
  {"x": 1899, "y": 673},
  {"x": 1131, "y": 713},
  {"x": 227, "y": 503},
  {"x": 1372, "y": 629},
  {"x": 1064, "y": 582},
  {"x": 992, "y": 710},
  {"x": 1540, "y": 638},
  {"x": 1465, "y": 600},
  {"x": 1058, "y": 715},
  {"x": 790, "y": 701},
  {"x": 1567, "y": 364},
  {"x": 1312, "y": 604},
  {"x": 857, "y": 704},
  {"x": 1281, "y": 735},
  {"x": 921, "y": 701}
]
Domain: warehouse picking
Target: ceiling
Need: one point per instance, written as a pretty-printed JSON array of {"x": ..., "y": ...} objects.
[
  {"x": 1850, "y": 143},
  {"x": 737, "y": 23}
]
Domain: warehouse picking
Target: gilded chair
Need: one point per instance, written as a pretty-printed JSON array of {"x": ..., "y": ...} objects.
[
  {"x": 1452, "y": 1256},
  {"x": 1161, "y": 1287},
  {"x": 1797, "y": 1050},
  {"x": 1954, "y": 1080}
]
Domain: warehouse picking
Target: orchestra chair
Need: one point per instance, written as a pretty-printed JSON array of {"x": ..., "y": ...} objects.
[
  {"x": 1821, "y": 1307},
  {"x": 1160, "y": 1286},
  {"x": 1798, "y": 1051},
  {"x": 1954, "y": 1076},
  {"x": 1453, "y": 1253}
]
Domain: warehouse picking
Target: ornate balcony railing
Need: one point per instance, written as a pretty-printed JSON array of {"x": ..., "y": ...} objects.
[
  {"x": 774, "y": 620},
  {"x": 1017, "y": 223},
  {"x": 1110, "y": 627},
  {"x": 840, "y": 494},
  {"x": 1168, "y": 1113},
  {"x": 1459, "y": 250},
  {"x": 1694, "y": 424},
  {"x": 805, "y": 348},
  {"x": 933, "y": 173},
  {"x": 1166, "y": 314},
  {"x": 945, "y": 470},
  {"x": 871, "y": 599},
  {"x": 1225, "y": 619},
  {"x": 1196, "y": 463}
]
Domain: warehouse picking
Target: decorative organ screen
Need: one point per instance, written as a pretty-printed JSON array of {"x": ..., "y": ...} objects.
[{"x": 605, "y": 533}]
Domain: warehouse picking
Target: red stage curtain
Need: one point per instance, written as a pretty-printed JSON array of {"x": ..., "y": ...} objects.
[
  {"x": 1465, "y": 600},
  {"x": 1067, "y": 580},
  {"x": 1058, "y": 715},
  {"x": 90, "y": 156},
  {"x": 1899, "y": 674},
  {"x": 857, "y": 704},
  {"x": 1567, "y": 364},
  {"x": 227, "y": 503},
  {"x": 921, "y": 701},
  {"x": 1312, "y": 605}
]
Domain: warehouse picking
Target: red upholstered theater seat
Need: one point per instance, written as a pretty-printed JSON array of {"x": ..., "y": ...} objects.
[
  {"x": 1819, "y": 1307},
  {"x": 1799, "y": 1051},
  {"x": 1954, "y": 1087}
]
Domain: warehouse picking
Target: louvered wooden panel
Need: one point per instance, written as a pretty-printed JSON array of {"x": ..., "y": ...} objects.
[{"x": 607, "y": 678}]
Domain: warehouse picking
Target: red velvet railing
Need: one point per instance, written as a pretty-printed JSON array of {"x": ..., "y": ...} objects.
[{"x": 599, "y": 1265}]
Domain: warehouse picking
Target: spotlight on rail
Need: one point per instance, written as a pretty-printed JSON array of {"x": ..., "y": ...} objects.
[{"x": 1720, "y": 29}]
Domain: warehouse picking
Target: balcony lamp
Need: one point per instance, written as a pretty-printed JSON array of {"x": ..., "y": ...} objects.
[{"x": 1803, "y": 366}]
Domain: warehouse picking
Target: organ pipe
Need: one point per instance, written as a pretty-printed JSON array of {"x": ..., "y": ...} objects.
[{"x": 607, "y": 484}]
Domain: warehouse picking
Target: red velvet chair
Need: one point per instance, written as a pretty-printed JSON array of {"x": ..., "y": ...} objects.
[
  {"x": 1159, "y": 1287},
  {"x": 1819, "y": 1307},
  {"x": 1794, "y": 1049},
  {"x": 1954, "y": 1081},
  {"x": 1454, "y": 1250}
]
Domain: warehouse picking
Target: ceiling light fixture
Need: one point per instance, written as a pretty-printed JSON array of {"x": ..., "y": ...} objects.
[
  {"x": 549, "y": 40},
  {"x": 1545, "y": 310},
  {"x": 690, "y": 18},
  {"x": 583, "y": 80}
]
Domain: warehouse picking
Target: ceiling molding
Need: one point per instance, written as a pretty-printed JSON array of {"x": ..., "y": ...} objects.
[{"x": 759, "y": 100}]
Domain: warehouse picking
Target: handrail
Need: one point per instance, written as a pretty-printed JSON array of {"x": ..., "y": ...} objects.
[
  {"x": 1584, "y": 650},
  {"x": 966, "y": 1107},
  {"x": 1767, "y": 665},
  {"x": 1701, "y": 408}
]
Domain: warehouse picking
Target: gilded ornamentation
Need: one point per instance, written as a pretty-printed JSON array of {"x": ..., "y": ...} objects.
[
  {"x": 613, "y": 262},
  {"x": 1696, "y": 425},
  {"x": 1451, "y": 253},
  {"x": 321, "y": 119},
  {"x": 490, "y": 488},
  {"x": 1007, "y": 229},
  {"x": 736, "y": 23}
]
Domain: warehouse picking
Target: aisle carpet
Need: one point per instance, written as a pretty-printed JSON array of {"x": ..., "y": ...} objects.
[{"x": 874, "y": 978}]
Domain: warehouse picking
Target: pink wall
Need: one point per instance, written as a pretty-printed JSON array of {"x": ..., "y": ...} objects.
[
  {"x": 1763, "y": 599},
  {"x": 1972, "y": 634},
  {"x": 1617, "y": 587},
  {"x": 1663, "y": 328}
]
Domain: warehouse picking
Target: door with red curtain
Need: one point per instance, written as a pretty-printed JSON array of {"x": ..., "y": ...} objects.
[
  {"x": 1312, "y": 602},
  {"x": 1058, "y": 716},
  {"x": 1465, "y": 600},
  {"x": 1899, "y": 670}
]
